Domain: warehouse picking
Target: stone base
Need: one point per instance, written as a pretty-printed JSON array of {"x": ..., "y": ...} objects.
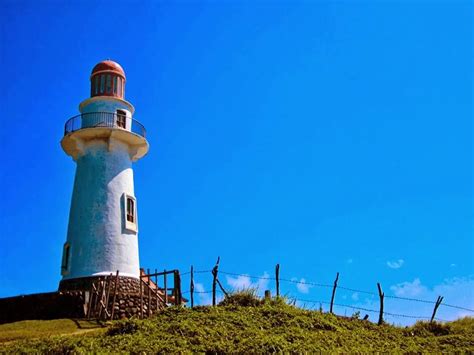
[{"x": 127, "y": 285}]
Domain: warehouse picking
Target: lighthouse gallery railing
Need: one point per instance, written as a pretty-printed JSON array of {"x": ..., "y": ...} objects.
[{"x": 103, "y": 119}]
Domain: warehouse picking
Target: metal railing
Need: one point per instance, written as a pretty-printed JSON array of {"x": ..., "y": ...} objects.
[{"x": 104, "y": 119}]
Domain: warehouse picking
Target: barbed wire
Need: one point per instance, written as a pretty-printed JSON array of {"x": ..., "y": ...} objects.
[
  {"x": 196, "y": 272},
  {"x": 340, "y": 305},
  {"x": 367, "y": 309},
  {"x": 307, "y": 283}
]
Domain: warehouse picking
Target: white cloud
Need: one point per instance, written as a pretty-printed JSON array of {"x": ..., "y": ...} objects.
[
  {"x": 204, "y": 298},
  {"x": 243, "y": 282},
  {"x": 458, "y": 291},
  {"x": 397, "y": 264},
  {"x": 409, "y": 289},
  {"x": 302, "y": 287}
]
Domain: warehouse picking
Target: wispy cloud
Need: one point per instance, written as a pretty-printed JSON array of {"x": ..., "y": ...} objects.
[
  {"x": 349, "y": 261},
  {"x": 397, "y": 264},
  {"x": 204, "y": 298},
  {"x": 457, "y": 291},
  {"x": 243, "y": 282},
  {"x": 301, "y": 285},
  {"x": 409, "y": 289}
]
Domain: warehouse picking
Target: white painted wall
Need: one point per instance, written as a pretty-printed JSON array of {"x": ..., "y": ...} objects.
[{"x": 99, "y": 242}]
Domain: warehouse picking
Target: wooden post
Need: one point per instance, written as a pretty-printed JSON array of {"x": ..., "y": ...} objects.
[
  {"x": 191, "y": 287},
  {"x": 149, "y": 293},
  {"x": 277, "y": 278},
  {"x": 381, "y": 295},
  {"x": 115, "y": 294},
  {"x": 215, "y": 270},
  {"x": 177, "y": 288},
  {"x": 107, "y": 296},
  {"x": 268, "y": 295},
  {"x": 166, "y": 288},
  {"x": 333, "y": 293},
  {"x": 178, "y": 276},
  {"x": 98, "y": 298},
  {"x": 91, "y": 295},
  {"x": 141, "y": 297},
  {"x": 438, "y": 303},
  {"x": 156, "y": 283}
]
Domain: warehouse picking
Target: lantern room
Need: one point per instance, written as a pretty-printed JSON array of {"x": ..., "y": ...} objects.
[{"x": 108, "y": 79}]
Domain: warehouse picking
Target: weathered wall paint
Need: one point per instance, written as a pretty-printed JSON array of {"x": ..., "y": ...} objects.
[{"x": 99, "y": 242}]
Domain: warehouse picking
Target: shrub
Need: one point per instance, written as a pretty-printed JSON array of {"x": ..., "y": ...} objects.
[
  {"x": 425, "y": 329},
  {"x": 242, "y": 298},
  {"x": 128, "y": 326}
]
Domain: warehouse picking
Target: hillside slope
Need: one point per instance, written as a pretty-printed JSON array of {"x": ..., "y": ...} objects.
[{"x": 269, "y": 327}]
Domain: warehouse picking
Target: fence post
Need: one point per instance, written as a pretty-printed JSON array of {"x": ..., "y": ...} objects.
[
  {"x": 91, "y": 294},
  {"x": 191, "y": 287},
  {"x": 277, "y": 279},
  {"x": 438, "y": 302},
  {"x": 149, "y": 293},
  {"x": 178, "y": 288},
  {"x": 215, "y": 270},
  {"x": 381, "y": 295},
  {"x": 165, "y": 284},
  {"x": 115, "y": 294},
  {"x": 333, "y": 293},
  {"x": 107, "y": 296},
  {"x": 268, "y": 295},
  {"x": 156, "y": 284}
]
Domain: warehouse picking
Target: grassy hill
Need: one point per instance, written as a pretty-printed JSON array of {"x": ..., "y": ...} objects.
[{"x": 262, "y": 327}]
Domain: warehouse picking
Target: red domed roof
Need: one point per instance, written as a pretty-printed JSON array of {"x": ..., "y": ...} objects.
[{"x": 108, "y": 66}]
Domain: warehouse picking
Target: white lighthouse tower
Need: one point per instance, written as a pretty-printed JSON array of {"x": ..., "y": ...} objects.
[{"x": 104, "y": 141}]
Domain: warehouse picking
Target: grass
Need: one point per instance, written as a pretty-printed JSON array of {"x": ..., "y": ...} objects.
[
  {"x": 32, "y": 329},
  {"x": 271, "y": 326}
]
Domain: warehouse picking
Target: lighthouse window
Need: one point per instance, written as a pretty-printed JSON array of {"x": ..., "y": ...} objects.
[
  {"x": 130, "y": 210},
  {"x": 129, "y": 205},
  {"x": 109, "y": 84},
  {"x": 102, "y": 83},
  {"x": 66, "y": 257},
  {"x": 115, "y": 84},
  {"x": 121, "y": 118}
]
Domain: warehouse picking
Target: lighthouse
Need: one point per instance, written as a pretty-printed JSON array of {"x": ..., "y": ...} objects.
[{"x": 104, "y": 140}]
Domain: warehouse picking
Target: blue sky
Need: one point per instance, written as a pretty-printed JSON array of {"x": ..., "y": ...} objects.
[{"x": 324, "y": 136}]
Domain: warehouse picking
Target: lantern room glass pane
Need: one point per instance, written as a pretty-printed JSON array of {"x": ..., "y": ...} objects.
[
  {"x": 115, "y": 84},
  {"x": 96, "y": 85},
  {"x": 108, "y": 86},
  {"x": 102, "y": 83},
  {"x": 119, "y": 88}
]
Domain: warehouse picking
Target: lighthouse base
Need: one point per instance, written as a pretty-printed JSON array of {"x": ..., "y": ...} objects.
[{"x": 126, "y": 285}]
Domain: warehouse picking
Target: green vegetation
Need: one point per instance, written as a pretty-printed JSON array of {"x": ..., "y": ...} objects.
[
  {"x": 241, "y": 325},
  {"x": 31, "y": 329}
]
